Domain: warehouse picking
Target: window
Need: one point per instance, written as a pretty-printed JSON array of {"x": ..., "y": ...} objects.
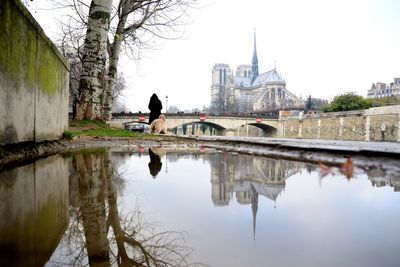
[{"x": 224, "y": 75}]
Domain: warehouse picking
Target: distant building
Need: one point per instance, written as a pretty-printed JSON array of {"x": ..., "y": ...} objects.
[
  {"x": 379, "y": 90},
  {"x": 247, "y": 90}
]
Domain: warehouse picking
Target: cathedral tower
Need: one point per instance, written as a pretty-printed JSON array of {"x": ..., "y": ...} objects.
[
  {"x": 254, "y": 62},
  {"x": 220, "y": 74}
]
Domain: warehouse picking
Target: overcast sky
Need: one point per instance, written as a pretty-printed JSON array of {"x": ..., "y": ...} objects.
[{"x": 321, "y": 47}]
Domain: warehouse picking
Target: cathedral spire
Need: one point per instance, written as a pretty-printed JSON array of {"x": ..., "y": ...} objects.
[
  {"x": 254, "y": 62},
  {"x": 254, "y": 208}
]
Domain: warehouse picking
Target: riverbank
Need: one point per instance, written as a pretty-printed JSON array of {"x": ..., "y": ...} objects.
[
  {"x": 331, "y": 152},
  {"x": 91, "y": 134},
  {"x": 14, "y": 154}
]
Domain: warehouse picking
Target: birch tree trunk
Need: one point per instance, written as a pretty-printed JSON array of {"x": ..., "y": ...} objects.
[
  {"x": 92, "y": 82},
  {"x": 113, "y": 66},
  {"x": 126, "y": 8}
]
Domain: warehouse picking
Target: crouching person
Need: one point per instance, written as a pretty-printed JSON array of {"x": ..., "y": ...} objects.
[{"x": 159, "y": 125}]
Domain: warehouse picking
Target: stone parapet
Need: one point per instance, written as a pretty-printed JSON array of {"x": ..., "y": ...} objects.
[{"x": 375, "y": 124}]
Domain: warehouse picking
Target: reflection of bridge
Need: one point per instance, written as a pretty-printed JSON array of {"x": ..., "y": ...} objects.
[{"x": 227, "y": 123}]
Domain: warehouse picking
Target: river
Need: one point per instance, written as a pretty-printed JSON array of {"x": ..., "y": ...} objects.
[{"x": 175, "y": 206}]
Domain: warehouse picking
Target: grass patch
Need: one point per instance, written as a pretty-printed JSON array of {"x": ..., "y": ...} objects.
[
  {"x": 68, "y": 134},
  {"x": 110, "y": 132},
  {"x": 100, "y": 129},
  {"x": 102, "y": 132}
]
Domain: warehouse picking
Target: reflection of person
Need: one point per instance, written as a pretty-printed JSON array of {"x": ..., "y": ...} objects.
[
  {"x": 155, "y": 107},
  {"x": 154, "y": 164}
]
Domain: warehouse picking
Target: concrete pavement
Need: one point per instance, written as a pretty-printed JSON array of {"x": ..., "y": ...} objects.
[{"x": 353, "y": 147}]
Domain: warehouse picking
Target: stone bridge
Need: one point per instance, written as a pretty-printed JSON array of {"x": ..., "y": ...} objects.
[
  {"x": 374, "y": 124},
  {"x": 227, "y": 124}
]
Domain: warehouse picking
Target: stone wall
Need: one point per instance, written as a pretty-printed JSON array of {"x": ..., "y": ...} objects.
[
  {"x": 375, "y": 124},
  {"x": 33, "y": 79}
]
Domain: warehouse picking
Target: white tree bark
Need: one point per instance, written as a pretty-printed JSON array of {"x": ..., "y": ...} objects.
[
  {"x": 126, "y": 8},
  {"x": 92, "y": 82},
  {"x": 113, "y": 64}
]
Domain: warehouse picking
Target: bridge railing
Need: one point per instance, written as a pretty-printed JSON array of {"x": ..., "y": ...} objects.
[{"x": 128, "y": 115}]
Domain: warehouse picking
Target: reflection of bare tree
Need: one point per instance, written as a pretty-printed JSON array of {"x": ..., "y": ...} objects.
[
  {"x": 91, "y": 169},
  {"x": 132, "y": 242},
  {"x": 148, "y": 248}
]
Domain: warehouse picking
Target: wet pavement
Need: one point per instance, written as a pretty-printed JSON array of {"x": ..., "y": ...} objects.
[{"x": 313, "y": 144}]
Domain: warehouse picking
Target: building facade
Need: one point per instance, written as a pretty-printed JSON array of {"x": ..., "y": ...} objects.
[
  {"x": 380, "y": 90},
  {"x": 248, "y": 91}
]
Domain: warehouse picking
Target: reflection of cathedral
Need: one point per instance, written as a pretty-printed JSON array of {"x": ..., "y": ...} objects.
[{"x": 248, "y": 177}]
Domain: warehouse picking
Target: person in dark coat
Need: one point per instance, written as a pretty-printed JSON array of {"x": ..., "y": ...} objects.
[
  {"x": 154, "y": 164},
  {"x": 155, "y": 107}
]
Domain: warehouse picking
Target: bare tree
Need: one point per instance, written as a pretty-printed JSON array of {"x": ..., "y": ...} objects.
[
  {"x": 156, "y": 18},
  {"x": 135, "y": 26},
  {"x": 173, "y": 109},
  {"x": 118, "y": 98},
  {"x": 70, "y": 43}
]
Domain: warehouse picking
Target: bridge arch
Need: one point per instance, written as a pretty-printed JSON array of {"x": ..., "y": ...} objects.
[
  {"x": 210, "y": 124},
  {"x": 196, "y": 127},
  {"x": 263, "y": 126},
  {"x": 267, "y": 130}
]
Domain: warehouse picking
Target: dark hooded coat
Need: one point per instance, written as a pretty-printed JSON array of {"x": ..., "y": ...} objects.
[{"x": 155, "y": 107}]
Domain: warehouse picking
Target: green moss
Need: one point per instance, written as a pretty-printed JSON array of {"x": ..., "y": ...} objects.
[
  {"x": 49, "y": 70},
  {"x": 12, "y": 40},
  {"x": 21, "y": 60},
  {"x": 30, "y": 57}
]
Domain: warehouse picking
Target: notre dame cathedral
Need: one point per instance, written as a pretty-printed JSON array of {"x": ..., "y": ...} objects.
[{"x": 248, "y": 91}]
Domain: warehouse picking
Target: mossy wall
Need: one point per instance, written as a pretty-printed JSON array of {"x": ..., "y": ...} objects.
[{"x": 33, "y": 79}]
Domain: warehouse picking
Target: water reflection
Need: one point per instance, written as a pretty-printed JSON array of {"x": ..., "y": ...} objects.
[
  {"x": 379, "y": 175},
  {"x": 33, "y": 210},
  {"x": 155, "y": 161},
  {"x": 113, "y": 237},
  {"x": 65, "y": 211},
  {"x": 247, "y": 177},
  {"x": 78, "y": 210},
  {"x": 381, "y": 181}
]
